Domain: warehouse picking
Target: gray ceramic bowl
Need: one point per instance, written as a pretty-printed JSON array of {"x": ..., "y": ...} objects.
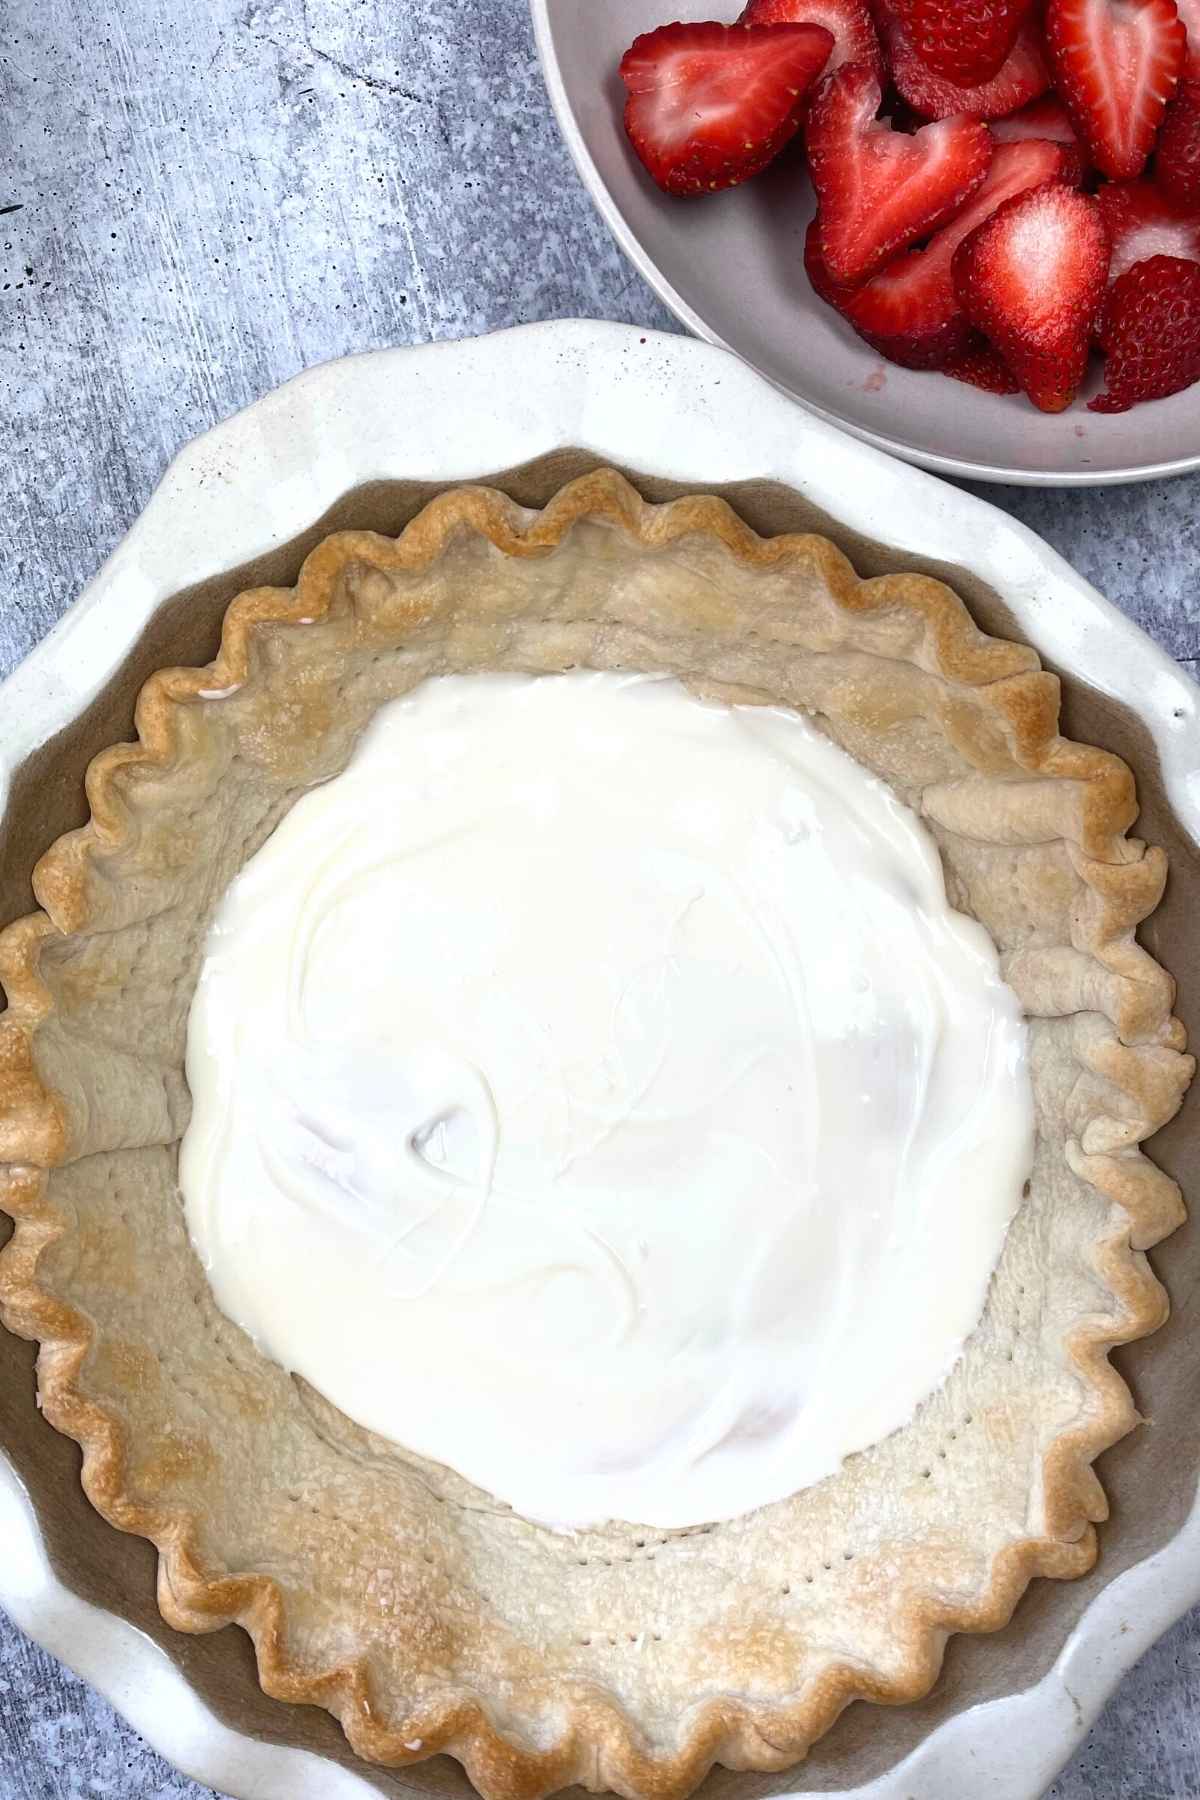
[{"x": 730, "y": 267}]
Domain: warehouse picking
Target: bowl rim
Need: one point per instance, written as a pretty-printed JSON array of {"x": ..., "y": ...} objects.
[
  {"x": 961, "y": 468},
  {"x": 675, "y": 408}
]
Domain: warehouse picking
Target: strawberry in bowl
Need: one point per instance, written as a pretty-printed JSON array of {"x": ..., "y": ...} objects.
[{"x": 986, "y": 176}]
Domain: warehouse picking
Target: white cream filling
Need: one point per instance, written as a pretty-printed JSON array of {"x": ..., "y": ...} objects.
[{"x": 594, "y": 1091}]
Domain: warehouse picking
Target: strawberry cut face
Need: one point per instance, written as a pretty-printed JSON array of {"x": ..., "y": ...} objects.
[
  {"x": 854, "y": 36},
  {"x": 711, "y": 105},
  {"x": 1142, "y": 222},
  {"x": 1116, "y": 64},
  {"x": 1045, "y": 118},
  {"x": 1189, "y": 13},
  {"x": 879, "y": 190},
  {"x": 910, "y": 312},
  {"x": 1177, "y": 164}
]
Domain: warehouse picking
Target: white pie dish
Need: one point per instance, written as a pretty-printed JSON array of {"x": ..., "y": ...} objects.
[
  {"x": 731, "y": 269},
  {"x": 633, "y": 399}
]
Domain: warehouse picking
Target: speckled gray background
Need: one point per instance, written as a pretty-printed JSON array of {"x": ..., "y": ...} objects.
[{"x": 199, "y": 198}]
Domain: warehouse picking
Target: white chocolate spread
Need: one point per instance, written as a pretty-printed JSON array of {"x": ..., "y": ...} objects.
[{"x": 594, "y": 1091}]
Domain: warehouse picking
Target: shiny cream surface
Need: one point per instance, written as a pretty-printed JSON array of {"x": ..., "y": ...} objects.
[{"x": 595, "y": 1092}]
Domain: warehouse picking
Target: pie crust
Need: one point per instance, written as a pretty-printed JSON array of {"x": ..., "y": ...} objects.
[{"x": 421, "y": 1612}]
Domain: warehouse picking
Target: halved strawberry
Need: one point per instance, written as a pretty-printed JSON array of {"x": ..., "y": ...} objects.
[
  {"x": 1023, "y": 77},
  {"x": 1116, "y": 64},
  {"x": 879, "y": 190},
  {"x": 906, "y": 316},
  {"x": 854, "y": 36},
  {"x": 1177, "y": 164},
  {"x": 711, "y": 105},
  {"x": 909, "y": 311},
  {"x": 1189, "y": 13},
  {"x": 917, "y": 332},
  {"x": 1142, "y": 223},
  {"x": 1030, "y": 278},
  {"x": 1150, "y": 329},
  {"x": 965, "y": 42},
  {"x": 983, "y": 367},
  {"x": 1045, "y": 118},
  {"x": 825, "y": 284}
]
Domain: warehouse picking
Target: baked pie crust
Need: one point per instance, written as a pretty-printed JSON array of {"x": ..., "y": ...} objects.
[{"x": 424, "y": 1614}]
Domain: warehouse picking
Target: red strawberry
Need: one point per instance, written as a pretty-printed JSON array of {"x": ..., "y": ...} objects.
[
  {"x": 1046, "y": 118},
  {"x": 909, "y": 312},
  {"x": 982, "y": 367},
  {"x": 1150, "y": 328},
  {"x": 833, "y": 292},
  {"x": 1177, "y": 165},
  {"x": 1142, "y": 223},
  {"x": 1189, "y": 12},
  {"x": 1023, "y": 77},
  {"x": 1030, "y": 278},
  {"x": 964, "y": 42},
  {"x": 854, "y": 35},
  {"x": 1116, "y": 64},
  {"x": 711, "y": 105},
  {"x": 915, "y": 332},
  {"x": 877, "y": 189}
]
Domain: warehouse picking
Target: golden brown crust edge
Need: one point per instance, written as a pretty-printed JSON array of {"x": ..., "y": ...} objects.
[{"x": 600, "y": 1746}]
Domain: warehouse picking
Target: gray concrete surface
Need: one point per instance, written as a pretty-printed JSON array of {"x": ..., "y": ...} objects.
[{"x": 199, "y": 198}]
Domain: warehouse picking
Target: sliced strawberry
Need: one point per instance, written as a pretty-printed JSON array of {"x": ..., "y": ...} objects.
[
  {"x": 1030, "y": 278},
  {"x": 833, "y": 292},
  {"x": 711, "y": 105},
  {"x": 1116, "y": 64},
  {"x": 1023, "y": 77},
  {"x": 879, "y": 190},
  {"x": 909, "y": 312},
  {"x": 964, "y": 42},
  {"x": 922, "y": 334},
  {"x": 983, "y": 367},
  {"x": 1150, "y": 328},
  {"x": 1177, "y": 164},
  {"x": 1189, "y": 13},
  {"x": 854, "y": 36},
  {"x": 907, "y": 319},
  {"x": 1142, "y": 223},
  {"x": 1046, "y": 118}
]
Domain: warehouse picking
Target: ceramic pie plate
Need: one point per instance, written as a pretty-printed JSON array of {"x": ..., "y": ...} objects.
[{"x": 365, "y": 443}]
